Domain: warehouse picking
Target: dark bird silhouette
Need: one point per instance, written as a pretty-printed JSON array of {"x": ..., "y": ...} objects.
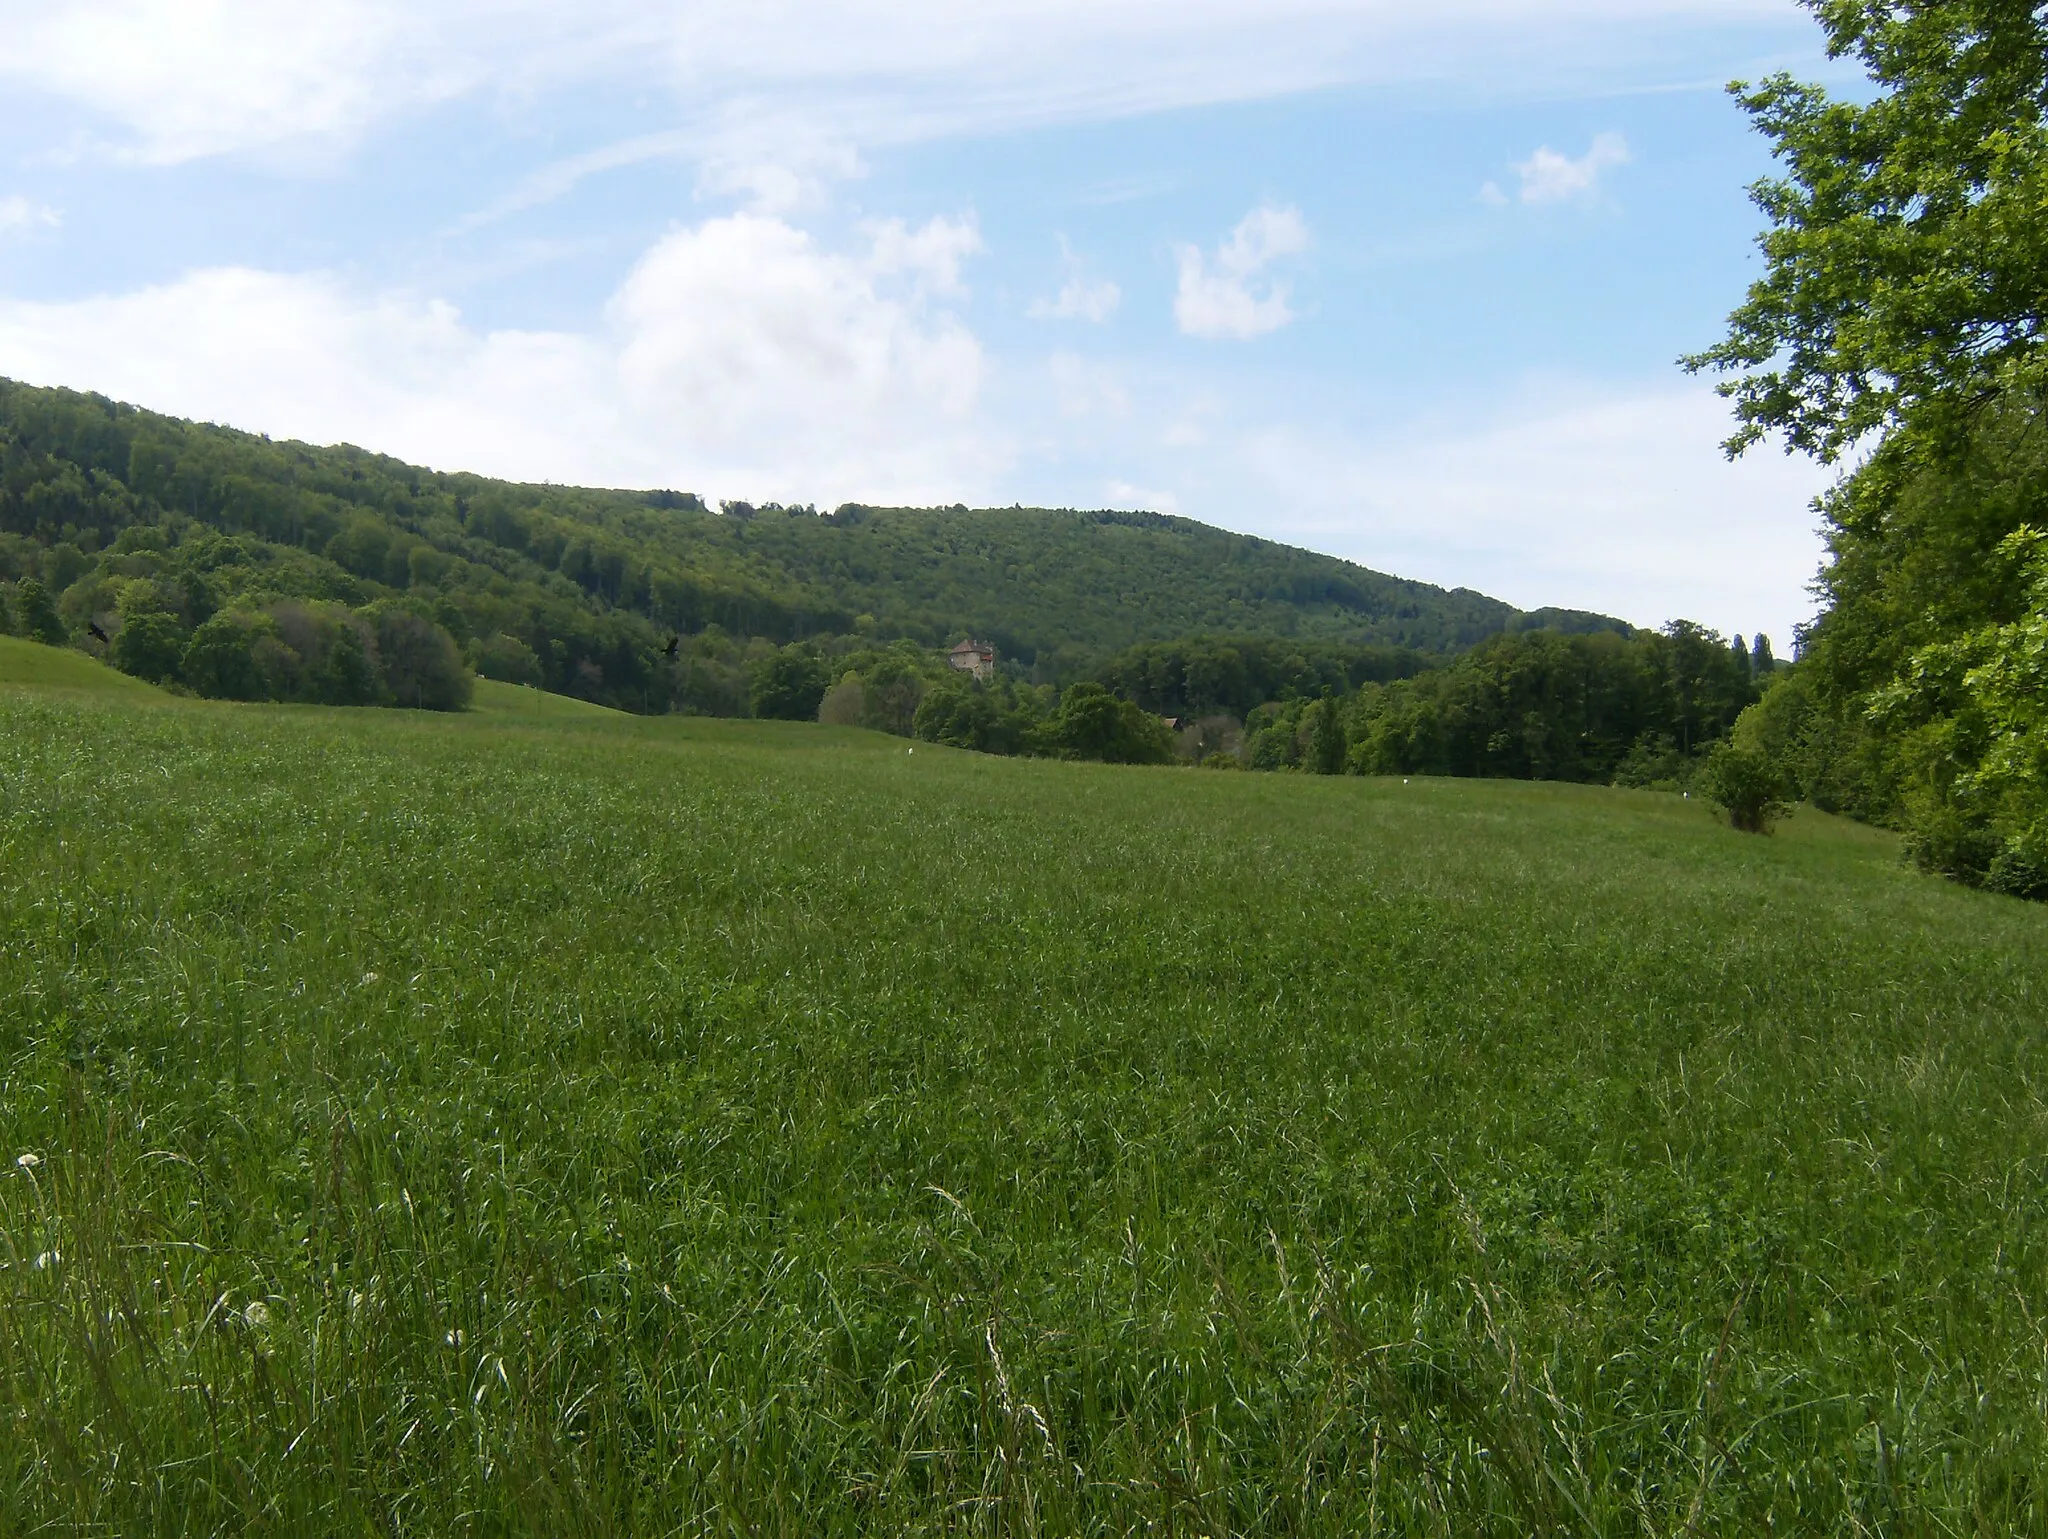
[
  {"x": 669, "y": 651},
  {"x": 98, "y": 635}
]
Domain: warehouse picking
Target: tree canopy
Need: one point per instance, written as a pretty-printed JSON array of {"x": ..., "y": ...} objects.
[{"x": 1906, "y": 259}]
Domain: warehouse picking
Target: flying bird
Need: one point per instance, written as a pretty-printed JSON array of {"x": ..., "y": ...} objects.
[
  {"x": 669, "y": 651},
  {"x": 98, "y": 635}
]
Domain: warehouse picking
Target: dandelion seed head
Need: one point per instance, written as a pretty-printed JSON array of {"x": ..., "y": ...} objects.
[
  {"x": 257, "y": 1315},
  {"x": 28, "y": 1161}
]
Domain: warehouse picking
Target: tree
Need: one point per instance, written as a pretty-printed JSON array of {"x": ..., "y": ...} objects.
[
  {"x": 1761, "y": 663},
  {"x": 789, "y": 685},
  {"x": 347, "y": 675},
  {"x": 509, "y": 660},
  {"x": 39, "y": 618},
  {"x": 1091, "y": 723},
  {"x": 1906, "y": 267},
  {"x": 220, "y": 660},
  {"x": 845, "y": 703},
  {"x": 1327, "y": 746},
  {"x": 422, "y": 669},
  {"x": 150, "y": 646}
]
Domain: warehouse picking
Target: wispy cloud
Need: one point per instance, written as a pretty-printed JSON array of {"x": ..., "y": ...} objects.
[
  {"x": 19, "y": 216},
  {"x": 1229, "y": 296},
  {"x": 177, "y": 80},
  {"x": 1082, "y": 296}
]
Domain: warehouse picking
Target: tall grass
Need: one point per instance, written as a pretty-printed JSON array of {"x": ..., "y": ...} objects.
[{"x": 519, "y": 1124}]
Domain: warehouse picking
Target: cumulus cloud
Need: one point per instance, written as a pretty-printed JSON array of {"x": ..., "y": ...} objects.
[
  {"x": 19, "y": 216},
  {"x": 179, "y": 79},
  {"x": 1082, "y": 296},
  {"x": 737, "y": 354},
  {"x": 1550, "y": 177},
  {"x": 1230, "y": 296}
]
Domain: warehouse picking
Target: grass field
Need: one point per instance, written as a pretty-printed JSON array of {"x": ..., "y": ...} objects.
[{"x": 549, "y": 1121}]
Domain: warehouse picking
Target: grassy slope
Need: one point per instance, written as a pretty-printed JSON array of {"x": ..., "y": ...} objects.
[
  {"x": 679, "y": 1126},
  {"x": 26, "y": 664}
]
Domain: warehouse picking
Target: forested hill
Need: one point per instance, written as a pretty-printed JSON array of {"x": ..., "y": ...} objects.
[{"x": 599, "y": 576}]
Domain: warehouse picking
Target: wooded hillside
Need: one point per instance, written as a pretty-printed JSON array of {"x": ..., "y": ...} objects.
[{"x": 594, "y": 584}]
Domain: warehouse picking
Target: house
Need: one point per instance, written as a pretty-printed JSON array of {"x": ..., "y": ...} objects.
[{"x": 975, "y": 657}]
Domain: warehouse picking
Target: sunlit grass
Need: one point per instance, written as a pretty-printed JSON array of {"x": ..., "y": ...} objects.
[{"x": 571, "y": 1123}]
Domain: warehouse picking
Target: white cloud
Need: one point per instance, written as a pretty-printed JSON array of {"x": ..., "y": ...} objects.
[
  {"x": 19, "y": 216},
  {"x": 1549, "y": 177},
  {"x": 1594, "y": 498},
  {"x": 186, "y": 78},
  {"x": 1082, "y": 297},
  {"x": 737, "y": 356},
  {"x": 1229, "y": 299},
  {"x": 1123, "y": 495},
  {"x": 931, "y": 254}
]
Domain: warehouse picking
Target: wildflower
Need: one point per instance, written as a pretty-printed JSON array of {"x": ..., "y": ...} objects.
[
  {"x": 454, "y": 1338},
  {"x": 48, "y": 1259},
  {"x": 368, "y": 979},
  {"x": 28, "y": 1161},
  {"x": 257, "y": 1315}
]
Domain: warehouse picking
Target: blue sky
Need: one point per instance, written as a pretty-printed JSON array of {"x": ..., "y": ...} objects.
[{"x": 1399, "y": 283}]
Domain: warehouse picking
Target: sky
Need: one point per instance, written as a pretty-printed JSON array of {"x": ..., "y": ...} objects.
[{"x": 1406, "y": 284}]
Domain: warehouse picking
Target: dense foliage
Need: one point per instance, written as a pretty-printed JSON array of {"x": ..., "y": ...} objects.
[
  {"x": 646, "y": 601},
  {"x": 1903, "y": 310}
]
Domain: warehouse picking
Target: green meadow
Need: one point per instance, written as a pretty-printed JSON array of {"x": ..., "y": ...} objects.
[{"x": 548, "y": 1121}]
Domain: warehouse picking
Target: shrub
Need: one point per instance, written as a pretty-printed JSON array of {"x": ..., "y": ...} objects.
[
  {"x": 789, "y": 685},
  {"x": 845, "y": 703},
  {"x": 150, "y": 646},
  {"x": 508, "y": 660},
  {"x": 220, "y": 659},
  {"x": 1094, "y": 724},
  {"x": 422, "y": 669},
  {"x": 39, "y": 619},
  {"x": 1744, "y": 784}
]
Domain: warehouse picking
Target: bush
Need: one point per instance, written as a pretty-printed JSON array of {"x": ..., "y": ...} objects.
[
  {"x": 422, "y": 669},
  {"x": 508, "y": 660},
  {"x": 39, "y": 620},
  {"x": 1093, "y": 724},
  {"x": 845, "y": 703},
  {"x": 150, "y": 646},
  {"x": 790, "y": 685},
  {"x": 1744, "y": 784},
  {"x": 1655, "y": 763},
  {"x": 220, "y": 659}
]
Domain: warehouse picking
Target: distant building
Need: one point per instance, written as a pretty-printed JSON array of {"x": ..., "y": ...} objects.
[{"x": 975, "y": 657}]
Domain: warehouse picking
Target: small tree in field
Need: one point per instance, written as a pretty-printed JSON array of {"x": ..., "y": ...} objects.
[{"x": 1744, "y": 784}]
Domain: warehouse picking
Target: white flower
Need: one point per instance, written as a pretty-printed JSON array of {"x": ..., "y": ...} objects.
[
  {"x": 48, "y": 1259},
  {"x": 28, "y": 1161},
  {"x": 368, "y": 979},
  {"x": 455, "y": 1338},
  {"x": 257, "y": 1315}
]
